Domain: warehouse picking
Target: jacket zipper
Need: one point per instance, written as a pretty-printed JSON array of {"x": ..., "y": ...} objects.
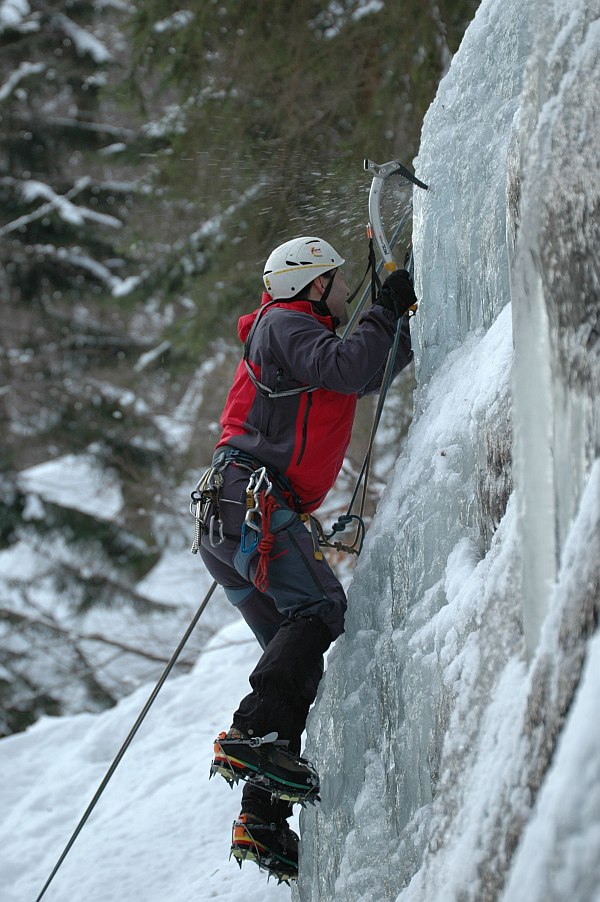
[{"x": 304, "y": 427}]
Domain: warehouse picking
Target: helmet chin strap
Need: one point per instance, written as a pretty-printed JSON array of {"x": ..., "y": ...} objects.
[{"x": 320, "y": 306}]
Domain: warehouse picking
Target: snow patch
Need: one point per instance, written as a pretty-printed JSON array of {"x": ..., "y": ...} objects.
[
  {"x": 160, "y": 830},
  {"x": 12, "y": 12},
  {"x": 78, "y": 482},
  {"x": 86, "y": 44},
  {"x": 175, "y": 22},
  {"x": 23, "y": 70}
]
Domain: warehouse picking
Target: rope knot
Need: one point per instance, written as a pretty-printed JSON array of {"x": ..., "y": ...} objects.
[{"x": 268, "y": 505}]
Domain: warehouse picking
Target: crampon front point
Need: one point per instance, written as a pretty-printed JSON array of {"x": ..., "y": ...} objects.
[
  {"x": 274, "y": 848},
  {"x": 266, "y": 762}
]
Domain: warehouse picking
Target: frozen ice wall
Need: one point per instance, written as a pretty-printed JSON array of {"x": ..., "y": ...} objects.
[
  {"x": 454, "y": 735},
  {"x": 555, "y": 277}
]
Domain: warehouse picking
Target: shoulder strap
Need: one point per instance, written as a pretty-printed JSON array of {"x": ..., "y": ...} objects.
[{"x": 262, "y": 389}]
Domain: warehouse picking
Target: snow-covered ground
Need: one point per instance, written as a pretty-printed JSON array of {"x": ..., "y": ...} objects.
[
  {"x": 459, "y": 752},
  {"x": 161, "y": 830}
]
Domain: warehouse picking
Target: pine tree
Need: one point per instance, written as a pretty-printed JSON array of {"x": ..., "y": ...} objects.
[{"x": 69, "y": 181}]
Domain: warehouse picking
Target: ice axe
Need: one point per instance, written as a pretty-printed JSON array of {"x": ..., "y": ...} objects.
[{"x": 381, "y": 172}]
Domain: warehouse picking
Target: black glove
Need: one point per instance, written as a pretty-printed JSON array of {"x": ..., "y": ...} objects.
[{"x": 397, "y": 293}]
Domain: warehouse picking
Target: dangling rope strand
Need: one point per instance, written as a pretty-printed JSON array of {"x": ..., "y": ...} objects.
[
  {"x": 129, "y": 738},
  {"x": 344, "y": 520}
]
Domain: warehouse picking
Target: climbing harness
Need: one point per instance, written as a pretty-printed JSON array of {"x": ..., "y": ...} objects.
[
  {"x": 206, "y": 501},
  {"x": 260, "y": 503}
]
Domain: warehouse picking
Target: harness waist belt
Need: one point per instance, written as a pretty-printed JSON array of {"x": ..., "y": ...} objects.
[{"x": 228, "y": 453}]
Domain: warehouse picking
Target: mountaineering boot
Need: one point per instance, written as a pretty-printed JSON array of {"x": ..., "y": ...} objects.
[
  {"x": 285, "y": 681},
  {"x": 273, "y": 846},
  {"x": 266, "y": 763}
]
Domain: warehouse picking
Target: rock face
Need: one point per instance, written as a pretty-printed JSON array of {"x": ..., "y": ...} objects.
[{"x": 453, "y": 734}]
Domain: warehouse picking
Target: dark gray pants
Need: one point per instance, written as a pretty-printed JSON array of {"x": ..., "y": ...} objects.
[{"x": 295, "y": 620}]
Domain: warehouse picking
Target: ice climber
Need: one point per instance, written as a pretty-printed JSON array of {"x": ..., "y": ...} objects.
[{"x": 286, "y": 427}]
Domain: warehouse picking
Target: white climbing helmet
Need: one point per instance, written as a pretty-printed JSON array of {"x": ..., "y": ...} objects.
[{"x": 292, "y": 265}]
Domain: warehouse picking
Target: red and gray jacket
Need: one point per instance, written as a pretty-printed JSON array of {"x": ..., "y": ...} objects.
[{"x": 301, "y": 433}]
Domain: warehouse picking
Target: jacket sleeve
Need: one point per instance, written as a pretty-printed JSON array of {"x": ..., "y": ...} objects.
[
  {"x": 404, "y": 356},
  {"x": 313, "y": 355}
]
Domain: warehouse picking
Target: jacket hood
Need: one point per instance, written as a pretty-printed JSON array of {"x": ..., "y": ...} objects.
[{"x": 245, "y": 322}]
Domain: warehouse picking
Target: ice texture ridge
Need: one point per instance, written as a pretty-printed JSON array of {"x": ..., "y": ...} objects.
[{"x": 454, "y": 717}]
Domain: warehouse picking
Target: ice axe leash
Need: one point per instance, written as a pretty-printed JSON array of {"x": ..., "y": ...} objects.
[
  {"x": 375, "y": 231},
  {"x": 381, "y": 172},
  {"x": 129, "y": 738},
  {"x": 368, "y": 292}
]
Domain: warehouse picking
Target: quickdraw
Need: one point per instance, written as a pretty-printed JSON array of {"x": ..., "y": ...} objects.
[
  {"x": 259, "y": 486},
  {"x": 260, "y": 503}
]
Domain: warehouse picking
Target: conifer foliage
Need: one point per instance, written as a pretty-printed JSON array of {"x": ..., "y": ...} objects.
[
  {"x": 63, "y": 206},
  {"x": 69, "y": 179}
]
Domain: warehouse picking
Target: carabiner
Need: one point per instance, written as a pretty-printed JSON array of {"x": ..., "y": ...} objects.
[
  {"x": 211, "y": 531},
  {"x": 249, "y": 518},
  {"x": 248, "y": 547},
  {"x": 257, "y": 478}
]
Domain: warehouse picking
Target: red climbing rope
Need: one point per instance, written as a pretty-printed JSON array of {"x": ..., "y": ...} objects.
[{"x": 268, "y": 504}]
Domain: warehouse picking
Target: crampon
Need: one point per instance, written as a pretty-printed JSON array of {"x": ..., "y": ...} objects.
[
  {"x": 274, "y": 847},
  {"x": 265, "y": 762}
]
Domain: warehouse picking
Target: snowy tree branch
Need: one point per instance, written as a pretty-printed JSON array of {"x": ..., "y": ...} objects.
[
  {"x": 24, "y": 70},
  {"x": 45, "y": 621}
]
